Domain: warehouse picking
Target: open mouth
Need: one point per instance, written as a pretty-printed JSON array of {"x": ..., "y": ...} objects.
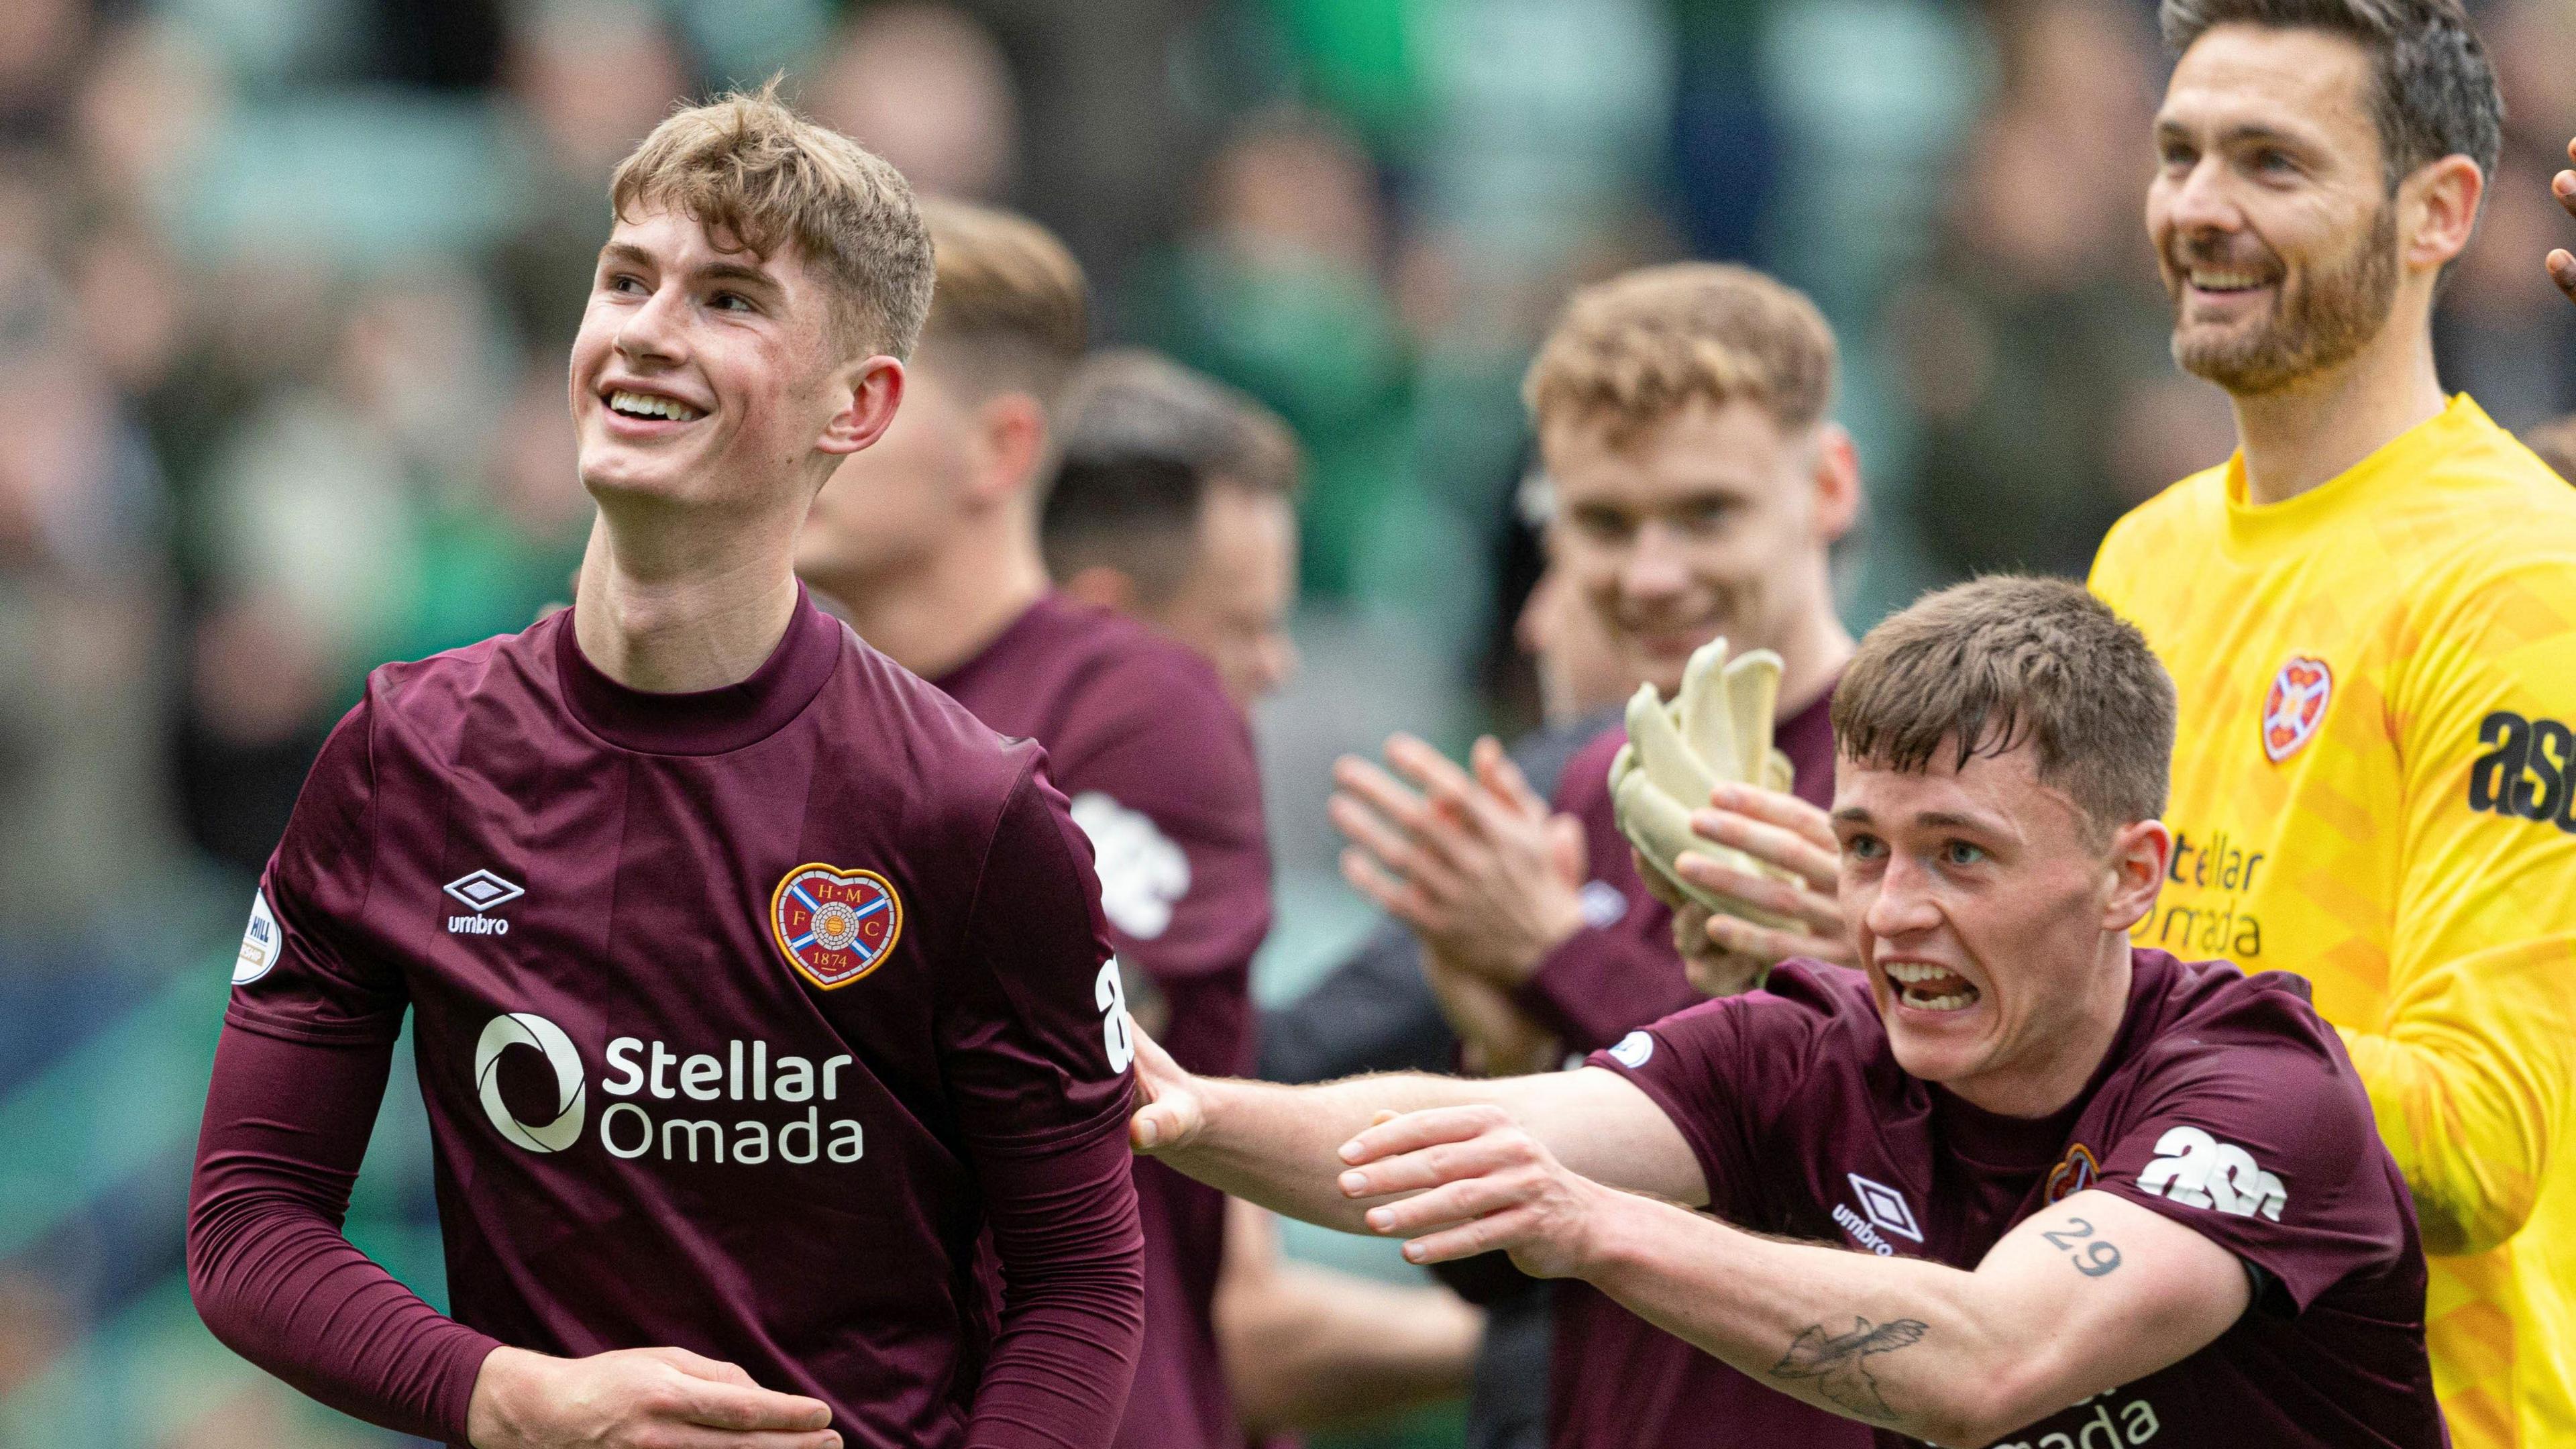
[
  {"x": 645, "y": 406},
  {"x": 1926, "y": 987}
]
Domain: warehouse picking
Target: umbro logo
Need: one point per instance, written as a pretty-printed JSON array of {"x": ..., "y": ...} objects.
[
  {"x": 482, "y": 890},
  {"x": 1886, "y": 1208}
]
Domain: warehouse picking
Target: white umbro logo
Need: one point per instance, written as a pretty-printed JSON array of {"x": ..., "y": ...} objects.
[
  {"x": 1885, "y": 1206},
  {"x": 482, "y": 890}
]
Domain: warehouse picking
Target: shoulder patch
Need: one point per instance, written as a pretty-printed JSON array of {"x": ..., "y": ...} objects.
[
  {"x": 261, "y": 942},
  {"x": 1633, "y": 1050}
]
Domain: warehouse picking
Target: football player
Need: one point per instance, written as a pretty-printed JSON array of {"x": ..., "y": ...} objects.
[{"x": 770, "y": 1038}]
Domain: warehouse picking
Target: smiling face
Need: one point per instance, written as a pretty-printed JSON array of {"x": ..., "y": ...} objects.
[
  {"x": 1989, "y": 913},
  {"x": 704, "y": 377},
  {"x": 1711, "y": 522},
  {"x": 2271, "y": 215}
]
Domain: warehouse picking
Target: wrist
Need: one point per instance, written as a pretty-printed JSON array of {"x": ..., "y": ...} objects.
[
  {"x": 1620, "y": 1232},
  {"x": 507, "y": 1384}
]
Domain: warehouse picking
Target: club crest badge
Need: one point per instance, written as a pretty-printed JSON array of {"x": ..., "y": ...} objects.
[
  {"x": 834, "y": 925},
  {"x": 2074, "y": 1173},
  {"x": 2295, "y": 706}
]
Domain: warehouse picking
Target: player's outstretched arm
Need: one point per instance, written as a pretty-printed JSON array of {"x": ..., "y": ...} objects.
[
  {"x": 1283, "y": 1147},
  {"x": 2091, "y": 1294}
]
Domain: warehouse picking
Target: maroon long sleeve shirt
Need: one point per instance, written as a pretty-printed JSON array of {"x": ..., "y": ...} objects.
[{"x": 776, "y": 1023}]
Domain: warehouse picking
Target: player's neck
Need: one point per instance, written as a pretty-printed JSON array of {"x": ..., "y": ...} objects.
[
  {"x": 2314, "y": 430},
  {"x": 673, "y": 620},
  {"x": 1813, "y": 655},
  {"x": 937, "y": 616}
]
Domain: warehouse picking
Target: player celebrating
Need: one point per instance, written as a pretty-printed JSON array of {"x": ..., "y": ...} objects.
[
  {"x": 755, "y": 982},
  {"x": 930, "y": 541},
  {"x": 2056, "y": 1188},
  {"x": 1697, "y": 489},
  {"x": 2369, "y": 612}
]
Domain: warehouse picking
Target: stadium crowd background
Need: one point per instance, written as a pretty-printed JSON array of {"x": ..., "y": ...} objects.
[{"x": 286, "y": 288}]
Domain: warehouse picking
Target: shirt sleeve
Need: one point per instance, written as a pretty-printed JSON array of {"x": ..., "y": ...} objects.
[
  {"x": 273, "y": 1277},
  {"x": 1163, "y": 781},
  {"x": 2472, "y": 1071},
  {"x": 1037, "y": 1047},
  {"x": 297, "y": 976},
  {"x": 2256, "y": 1137}
]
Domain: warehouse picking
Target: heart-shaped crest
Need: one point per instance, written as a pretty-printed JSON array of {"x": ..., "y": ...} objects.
[
  {"x": 2295, "y": 705},
  {"x": 834, "y": 925}
]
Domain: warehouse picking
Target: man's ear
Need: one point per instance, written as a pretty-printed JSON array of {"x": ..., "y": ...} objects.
[
  {"x": 875, "y": 391},
  {"x": 2438, "y": 211},
  {"x": 1837, "y": 480},
  {"x": 1012, "y": 429},
  {"x": 2136, "y": 861},
  {"x": 1102, "y": 587}
]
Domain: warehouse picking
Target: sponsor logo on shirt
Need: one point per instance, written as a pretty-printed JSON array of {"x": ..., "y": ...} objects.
[
  {"x": 526, "y": 1028},
  {"x": 834, "y": 925},
  {"x": 2198, "y": 1170},
  {"x": 1886, "y": 1208},
  {"x": 261, "y": 942},
  {"x": 653, "y": 1073},
  {"x": 2074, "y": 1172},
  {"x": 1632, "y": 1050},
  {"x": 1109, "y": 994},
  {"x": 2137, "y": 1423},
  {"x": 1143, "y": 875},
  {"x": 482, "y": 890},
  {"x": 2528, "y": 771},
  {"x": 2295, "y": 705}
]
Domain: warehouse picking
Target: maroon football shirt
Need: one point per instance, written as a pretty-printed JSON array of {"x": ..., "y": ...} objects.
[
  {"x": 1160, "y": 769},
  {"x": 2224, "y": 1103},
  {"x": 1616, "y": 1380},
  {"x": 740, "y": 1016}
]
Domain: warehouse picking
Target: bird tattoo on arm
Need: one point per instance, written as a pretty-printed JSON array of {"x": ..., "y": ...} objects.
[{"x": 1834, "y": 1361}]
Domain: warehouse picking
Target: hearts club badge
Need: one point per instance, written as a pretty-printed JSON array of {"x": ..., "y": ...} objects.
[
  {"x": 2295, "y": 706},
  {"x": 834, "y": 925},
  {"x": 2073, "y": 1173}
]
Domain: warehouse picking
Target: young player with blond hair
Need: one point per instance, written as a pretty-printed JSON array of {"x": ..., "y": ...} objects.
[
  {"x": 763, "y": 1011},
  {"x": 1697, "y": 487}
]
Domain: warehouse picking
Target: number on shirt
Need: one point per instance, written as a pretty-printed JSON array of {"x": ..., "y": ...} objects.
[{"x": 1109, "y": 993}]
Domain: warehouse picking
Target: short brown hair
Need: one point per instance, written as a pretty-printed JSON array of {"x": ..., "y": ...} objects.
[
  {"x": 1144, "y": 440},
  {"x": 2433, "y": 90},
  {"x": 1011, "y": 309},
  {"x": 1632, "y": 351},
  {"x": 760, "y": 177},
  {"x": 1980, "y": 667}
]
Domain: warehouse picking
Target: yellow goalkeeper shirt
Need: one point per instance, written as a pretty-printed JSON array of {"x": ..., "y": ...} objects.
[{"x": 2374, "y": 785}]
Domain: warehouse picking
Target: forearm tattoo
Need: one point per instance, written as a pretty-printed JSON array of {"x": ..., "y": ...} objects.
[{"x": 1834, "y": 1361}]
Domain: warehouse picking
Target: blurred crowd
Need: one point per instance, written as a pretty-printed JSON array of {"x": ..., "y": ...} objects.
[{"x": 286, "y": 288}]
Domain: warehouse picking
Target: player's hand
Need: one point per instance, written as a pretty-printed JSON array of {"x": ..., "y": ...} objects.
[
  {"x": 636, "y": 1398},
  {"x": 1175, "y": 1110},
  {"x": 2562, "y": 266},
  {"x": 1476, "y": 864},
  {"x": 1785, "y": 832},
  {"x": 1479, "y": 1182}
]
